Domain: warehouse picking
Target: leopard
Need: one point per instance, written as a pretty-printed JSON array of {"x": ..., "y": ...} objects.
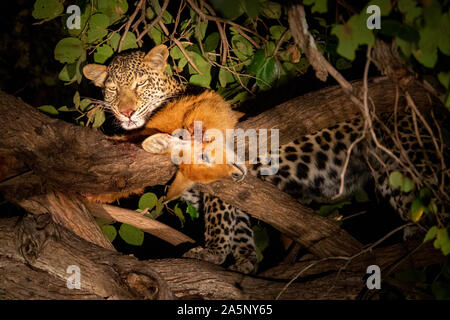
[
  {"x": 334, "y": 161},
  {"x": 311, "y": 169}
]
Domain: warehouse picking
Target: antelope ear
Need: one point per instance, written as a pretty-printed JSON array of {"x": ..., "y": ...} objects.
[
  {"x": 95, "y": 72},
  {"x": 178, "y": 186},
  {"x": 157, "y": 57},
  {"x": 238, "y": 114}
]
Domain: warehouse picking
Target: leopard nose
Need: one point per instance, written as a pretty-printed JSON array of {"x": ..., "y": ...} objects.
[{"x": 127, "y": 112}]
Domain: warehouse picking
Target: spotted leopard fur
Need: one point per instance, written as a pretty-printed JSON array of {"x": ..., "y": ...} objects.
[{"x": 310, "y": 167}]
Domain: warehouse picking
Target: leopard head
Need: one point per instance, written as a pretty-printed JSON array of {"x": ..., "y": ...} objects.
[{"x": 134, "y": 85}]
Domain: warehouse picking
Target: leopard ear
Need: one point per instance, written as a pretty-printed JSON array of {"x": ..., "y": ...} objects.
[
  {"x": 178, "y": 186},
  {"x": 95, "y": 72},
  {"x": 157, "y": 57}
]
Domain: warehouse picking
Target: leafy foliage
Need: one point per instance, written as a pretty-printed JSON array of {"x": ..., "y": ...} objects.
[{"x": 241, "y": 48}]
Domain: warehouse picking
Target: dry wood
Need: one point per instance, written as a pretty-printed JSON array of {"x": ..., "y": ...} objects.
[
  {"x": 252, "y": 195},
  {"x": 61, "y": 156},
  {"x": 150, "y": 226},
  {"x": 70, "y": 211},
  {"x": 35, "y": 254}
]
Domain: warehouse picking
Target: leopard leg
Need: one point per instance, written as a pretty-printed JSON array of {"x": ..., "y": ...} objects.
[
  {"x": 219, "y": 227},
  {"x": 243, "y": 246}
]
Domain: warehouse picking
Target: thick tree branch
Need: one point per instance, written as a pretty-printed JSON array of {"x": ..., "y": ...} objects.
[
  {"x": 59, "y": 156},
  {"x": 47, "y": 249}
]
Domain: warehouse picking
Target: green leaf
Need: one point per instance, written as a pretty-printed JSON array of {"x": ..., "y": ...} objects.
[
  {"x": 48, "y": 109},
  {"x": 442, "y": 241},
  {"x": 261, "y": 238},
  {"x": 441, "y": 290},
  {"x": 328, "y": 209},
  {"x": 84, "y": 103},
  {"x": 148, "y": 200},
  {"x": 384, "y": 5},
  {"x": 114, "y": 9},
  {"x": 201, "y": 64},
  {"x": 319, "y": 6},
  {"x": 167, "y": 18},
  {"x": 179, "y": 214},
  {"x": 102, "y": 221},
  {"x": 410, "y": 10},
  {"x": 110, "y": 232},
  {"x": 351, "y": 35},
  {"x": 76, "y": 99},
  {"x": 230, "y": 9},
  {"x": 192, "y": 211},
  {"x": 211, "y": 42},
  {"x": 64, "y": 109},
  {"x": 103, "y": 53},
  {"x": 202, "y": 80},
  {"x": 251, "y": 8},
  {"x": 405, "y": 46},
  {"x": 67, "y": 73},
  {"x": 443, "y": 36},
  {"x": 149, "y": 13},
  {"x": 407, "y": 185},
  {"x": 444, "y": 79},
  {"x": 202, "y": 29},
  {"x": 128, "y": 43},
  {"x": 131, "y": 235},
  {"x": 432, "y": 13},
  {"x": 68, "y": 50},
  {"x": 276, "y": 32},
  {"x": 425, "y": 195},
  {"x": 426, "y": 53},
  {"x": 99, "y": 118},
  {"x": 242, "y": 48},
  {"x": 156, "y": 34},
  {"x": 431, "y": 234},
  {"x": 343, "y": 64},
  {"x": 396, "y": 179},
  {"x": 176, "y": 53},
  {"x": 271, "y": 10},
  {"x": 97, "y": 27},
  {"x": 416, "y": 211},
  {"x": 47, "y": 9},
  {"x": 225, "y": 77},
  {"x": 267, "y": 70},
  {"x": 394, "y": 28},
  {"x": 268, "y": 74}
]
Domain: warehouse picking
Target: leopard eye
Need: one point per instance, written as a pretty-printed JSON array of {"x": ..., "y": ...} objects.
[
  {"x": 111, "y": 89},
  {"x": 142, "y": 83}
]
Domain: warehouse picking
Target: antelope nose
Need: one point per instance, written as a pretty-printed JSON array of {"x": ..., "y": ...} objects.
[{"x": 127, "y": 112}]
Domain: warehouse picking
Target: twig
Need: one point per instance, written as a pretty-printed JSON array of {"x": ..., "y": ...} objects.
[
  {"x": 240, "y": 29},
  {"x": 129, "y": 22},
  {"x": 179, "y": 45},
  {"x": 157, "y": 19}
]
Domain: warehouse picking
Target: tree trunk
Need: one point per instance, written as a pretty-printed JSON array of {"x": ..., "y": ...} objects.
[
  {"x": 51, "y": 163},
  {"x": 35, "y": 254}
]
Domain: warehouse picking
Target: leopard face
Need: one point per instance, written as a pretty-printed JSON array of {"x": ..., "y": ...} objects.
[{"x": 134, "y": 85}]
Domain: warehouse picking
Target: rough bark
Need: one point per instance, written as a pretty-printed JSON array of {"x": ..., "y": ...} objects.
[
  {"x": 35, "y": 254},
  {"x": 48, "y": 149},
  {"x": 325, "y": 239}
]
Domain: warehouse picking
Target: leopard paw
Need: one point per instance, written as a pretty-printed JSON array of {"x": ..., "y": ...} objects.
[{"x": 206, "y": 255}]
